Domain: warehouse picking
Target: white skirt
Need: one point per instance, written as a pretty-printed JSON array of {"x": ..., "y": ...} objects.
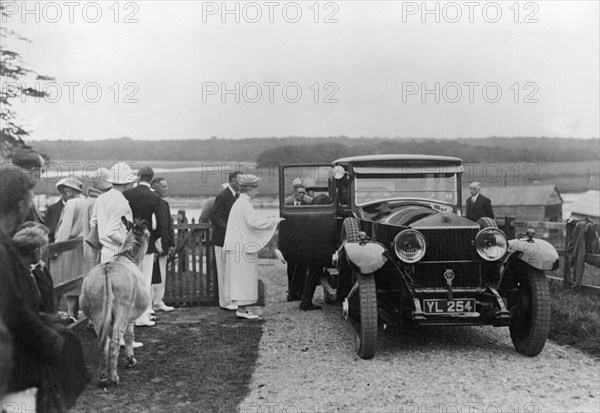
[{"x": 242, "y": 270}]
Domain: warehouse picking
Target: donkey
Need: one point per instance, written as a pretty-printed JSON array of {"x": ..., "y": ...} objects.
[{"x": 113, "y": 296}]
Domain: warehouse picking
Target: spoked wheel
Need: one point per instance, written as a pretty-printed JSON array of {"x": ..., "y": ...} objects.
[
  {"x": 530, "y": 312},
  {"x": 360, "y": 309}
]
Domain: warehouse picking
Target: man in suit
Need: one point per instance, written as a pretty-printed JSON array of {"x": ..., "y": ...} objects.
[
  {"x": 165, "y": 245},
  {"x": 145, "y": 205},
  {"x": 219, "y": 217},
  {"x": 298, "y": 196},
  {"x": 296, "y": 266},
  {"x": 478, "y": 206}
]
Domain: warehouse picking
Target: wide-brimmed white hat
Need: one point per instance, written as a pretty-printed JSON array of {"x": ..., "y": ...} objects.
[
  {"x": 70, "y": 183},
  {"x": 122, "y": 173}
]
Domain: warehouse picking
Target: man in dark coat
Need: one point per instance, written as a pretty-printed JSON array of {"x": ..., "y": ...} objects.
[
  {"x": 35, "y": 343},
  {"x": 218, "y": 217},
  {"x": 145, "y": 205},
  {"x": 478, "y": 206},
  {"x": 165, "y": 245},
  {"x": 296, "y": 266}
]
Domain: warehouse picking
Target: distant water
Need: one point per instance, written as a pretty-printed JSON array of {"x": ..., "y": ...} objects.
[{"x": 265, "y": 207}]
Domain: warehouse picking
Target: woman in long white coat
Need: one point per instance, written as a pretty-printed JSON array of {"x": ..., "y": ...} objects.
[{"x": 246, "y": 234}]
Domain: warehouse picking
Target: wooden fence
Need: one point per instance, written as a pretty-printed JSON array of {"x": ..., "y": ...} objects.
[
  {"x": 556, "y": 234},
  {"x": 65, "y": 263},
  {"x": 192, "y": 275}
]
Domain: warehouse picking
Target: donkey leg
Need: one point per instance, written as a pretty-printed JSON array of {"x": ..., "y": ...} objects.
[
  {"x": 129, "y": 337},
  {"x": 114, "y": 352},
  {"x": 103, "y": 363}
]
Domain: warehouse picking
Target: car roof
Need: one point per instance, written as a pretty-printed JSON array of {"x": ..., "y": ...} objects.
[{"x": 399, "y": 157}]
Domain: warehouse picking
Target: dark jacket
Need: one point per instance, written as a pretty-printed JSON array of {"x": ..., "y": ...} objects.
[
  {"x": 292, "y": 201},
  {"x": 52, "y": 217},
  {"x": 167, "y": 234},
  {"x": 481, "y": 208},
  {"x": 220, "y": 214},
  {"x": 144, "y": 203},
  {"x": 35, "y": 343}
]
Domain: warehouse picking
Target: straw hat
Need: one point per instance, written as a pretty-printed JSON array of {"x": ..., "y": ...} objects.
[{"x": 101, "y": 181}]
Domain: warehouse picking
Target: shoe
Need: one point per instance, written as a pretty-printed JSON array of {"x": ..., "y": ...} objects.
[
  {"x": 294, "y": 297},
  {"x": 309, "y": 307},
  {"x": 136, "y": 344},
  {"x": 151, "y": 311},
  {"x": 145, "y": 323},
  {"x": 153, "y": 317},
  {"x": 246, "y": 315},
  {"x": 230, "y": 307},
  {"x": 164, "y": 307}
]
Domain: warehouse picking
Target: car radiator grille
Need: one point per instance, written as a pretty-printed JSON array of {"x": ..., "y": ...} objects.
[{"x": 448, "y": 249}]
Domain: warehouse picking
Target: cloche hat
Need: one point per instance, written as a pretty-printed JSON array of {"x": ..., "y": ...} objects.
[
  {"x": 70, "y": 183},
  {"x": 249, "y": 180}
]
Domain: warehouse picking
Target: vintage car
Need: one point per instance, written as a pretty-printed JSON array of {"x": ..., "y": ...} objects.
[{"x": 395, "y": 249}]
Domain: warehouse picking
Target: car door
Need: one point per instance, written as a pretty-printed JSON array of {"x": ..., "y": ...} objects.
[{"x": 309, "y": 231}]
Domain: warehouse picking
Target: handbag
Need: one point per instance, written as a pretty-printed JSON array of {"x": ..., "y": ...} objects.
[{"x": 93, "y": 239}]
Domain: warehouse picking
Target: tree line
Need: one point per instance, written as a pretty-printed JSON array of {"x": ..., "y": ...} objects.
[{"x": 299, "y": 149}]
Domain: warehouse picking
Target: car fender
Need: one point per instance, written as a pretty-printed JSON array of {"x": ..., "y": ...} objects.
[
  {"x": 368, "y": 257},
  {"x": 537, "y": 253}
]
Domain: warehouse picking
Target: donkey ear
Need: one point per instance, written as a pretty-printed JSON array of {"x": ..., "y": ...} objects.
[
  {"x": 144, "y": 225},
  {"x": 127, "y": 224}
]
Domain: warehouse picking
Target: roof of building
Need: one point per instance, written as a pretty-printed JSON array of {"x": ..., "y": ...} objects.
[
  {"x": 522, "y": 195},
  {"x": 587, "y": 204}
]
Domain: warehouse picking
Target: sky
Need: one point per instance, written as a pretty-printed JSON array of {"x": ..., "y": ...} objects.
[{"x": 195, "y": 69}]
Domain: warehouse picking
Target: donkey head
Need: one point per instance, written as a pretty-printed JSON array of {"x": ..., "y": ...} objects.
[{"x": 136, "y": 241}]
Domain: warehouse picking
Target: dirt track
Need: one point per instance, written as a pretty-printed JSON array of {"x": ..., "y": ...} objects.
[{"x": 307, "y": 363}]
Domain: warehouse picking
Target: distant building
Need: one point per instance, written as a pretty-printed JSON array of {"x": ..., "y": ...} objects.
[
  {"x": 587, "y": 205},
  {"x": 525, "y": 202}
]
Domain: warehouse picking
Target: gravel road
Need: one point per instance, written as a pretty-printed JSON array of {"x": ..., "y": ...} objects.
[{"x": 307, "y": 364}]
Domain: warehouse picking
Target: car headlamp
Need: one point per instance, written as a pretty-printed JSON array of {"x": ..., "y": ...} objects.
[
  {"x": 410, "y": 246},
  {"x": 491, "y": 244}
]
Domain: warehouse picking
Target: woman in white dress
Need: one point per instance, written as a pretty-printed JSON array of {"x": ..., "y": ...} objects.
[{"x": 246, "y": 234}]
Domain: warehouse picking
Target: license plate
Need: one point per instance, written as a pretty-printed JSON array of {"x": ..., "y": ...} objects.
[{"x": 460, "y": 305}]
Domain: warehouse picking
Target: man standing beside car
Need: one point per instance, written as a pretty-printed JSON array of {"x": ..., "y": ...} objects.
[{"x": 478, "y": 206}]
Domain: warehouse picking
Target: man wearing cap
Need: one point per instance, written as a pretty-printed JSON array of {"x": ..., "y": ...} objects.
[
  {"x": 145, "y": 205},
  {"x": 219, "y": 217},
  {"x": 296, "y": 183},
  {"x": 66, "y": 188},
  {"x": 246, "y": 235}
]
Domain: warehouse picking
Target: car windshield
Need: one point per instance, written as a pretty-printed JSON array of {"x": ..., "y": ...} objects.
[{"x": 440, "y": 187}]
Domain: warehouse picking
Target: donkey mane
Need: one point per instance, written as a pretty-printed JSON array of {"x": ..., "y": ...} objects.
[{"x": 135, "y": 244}]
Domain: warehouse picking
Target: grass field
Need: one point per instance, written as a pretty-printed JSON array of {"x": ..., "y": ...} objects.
[{"x": 203, "y": 178}]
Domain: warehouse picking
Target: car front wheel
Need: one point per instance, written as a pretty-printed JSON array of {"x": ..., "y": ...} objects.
[
  {"x": 530, "y": 312},
  {"x": 360, "y": 309}
]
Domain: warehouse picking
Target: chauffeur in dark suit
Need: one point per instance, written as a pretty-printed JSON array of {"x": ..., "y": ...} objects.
[
  {"x": 145, "y": 204},
  {"x": 219, "y": 217},
  {"x": 296, "y": 266},
  {"x": 478, "y": 206}
]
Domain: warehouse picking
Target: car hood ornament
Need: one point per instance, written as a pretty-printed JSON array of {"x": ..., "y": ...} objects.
[{"x": 449, "y": 276}]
